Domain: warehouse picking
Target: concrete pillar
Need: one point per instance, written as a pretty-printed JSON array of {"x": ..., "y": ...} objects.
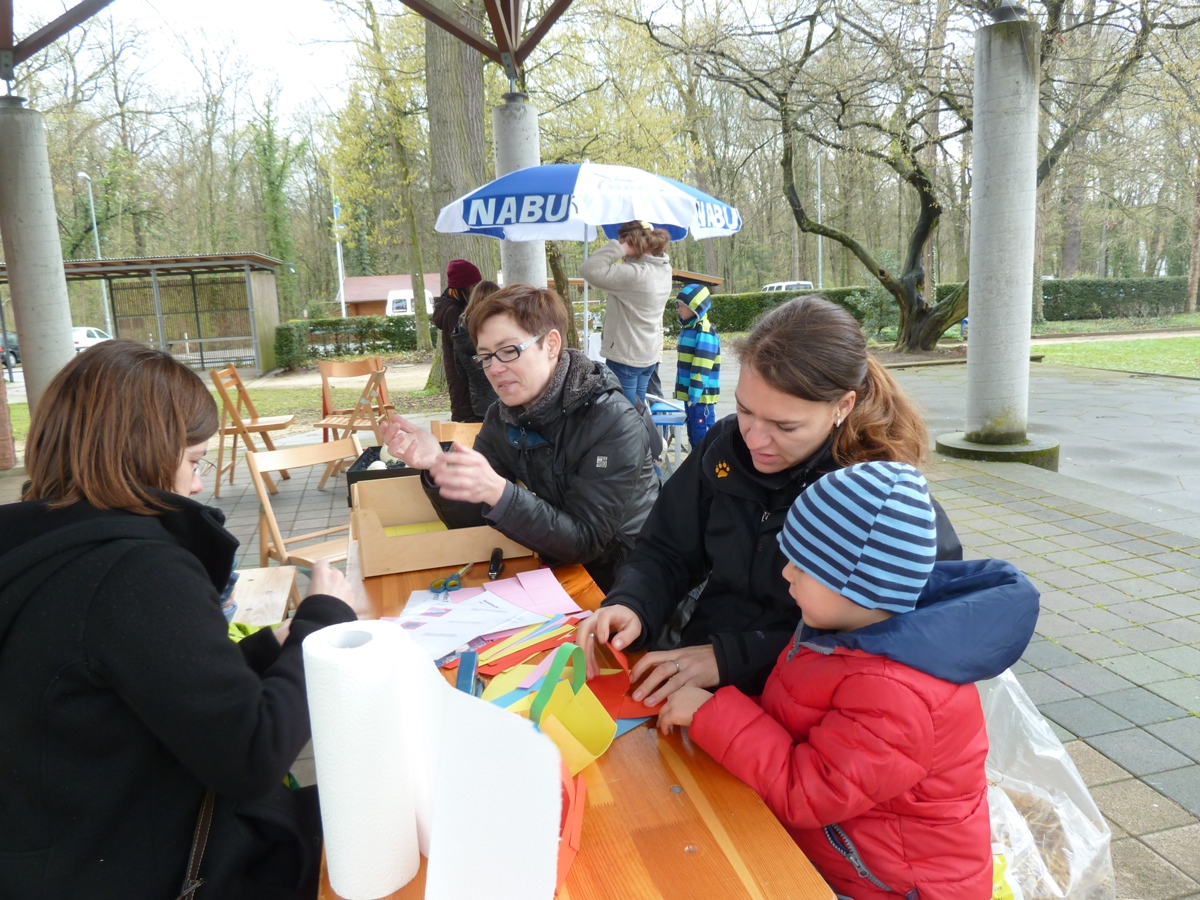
[
  {"x": 29, "y": 229},
  {"x": 515, "y": 133},
  {"x": 1003, "y": 222}
]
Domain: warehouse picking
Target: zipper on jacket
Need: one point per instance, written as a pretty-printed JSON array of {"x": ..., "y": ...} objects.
[{"x": 840, "y": 841}]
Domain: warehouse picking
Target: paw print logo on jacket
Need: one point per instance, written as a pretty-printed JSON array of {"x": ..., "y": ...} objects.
[{"x": 722, "y": 469}]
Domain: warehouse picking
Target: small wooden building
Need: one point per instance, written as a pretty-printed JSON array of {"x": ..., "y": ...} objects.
[{"x": 367, "y": 295}]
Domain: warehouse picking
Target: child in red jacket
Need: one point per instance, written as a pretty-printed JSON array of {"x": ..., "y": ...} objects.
[{"x": 868, "y": 742}]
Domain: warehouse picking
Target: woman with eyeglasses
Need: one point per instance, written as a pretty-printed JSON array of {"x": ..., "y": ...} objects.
[
  {"x": 562, "y": 463},
  {"x": 128, "y": 714}
]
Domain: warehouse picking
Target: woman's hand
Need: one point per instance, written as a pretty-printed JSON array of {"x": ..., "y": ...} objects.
[
  {"x": 415, "y": 447},
  {"x": 666, "y": 671},
  {"x": 681, "y": 708},
  {"x": 465, "y": 474},
  {"x": 282, "y": 630},
  {"x": 325, "y": 579},
  {"x": 617, "y": 625}
]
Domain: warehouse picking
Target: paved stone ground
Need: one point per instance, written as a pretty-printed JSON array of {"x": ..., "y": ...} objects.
[{"x": 1117, "y": 649}]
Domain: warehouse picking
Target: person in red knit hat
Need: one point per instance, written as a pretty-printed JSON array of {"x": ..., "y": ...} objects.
[{"x": 461, "y": 276}]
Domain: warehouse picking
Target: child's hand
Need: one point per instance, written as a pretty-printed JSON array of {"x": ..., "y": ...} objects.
[{"x": 681, "y": 706}]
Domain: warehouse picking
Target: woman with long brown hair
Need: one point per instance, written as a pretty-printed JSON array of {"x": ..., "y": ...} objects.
[
  {"x": 128, "y": 714},
  {"x": 810, "y": 399}
]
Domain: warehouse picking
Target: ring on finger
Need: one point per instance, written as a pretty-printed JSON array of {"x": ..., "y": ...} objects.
[{"x": 678, "y": 670}]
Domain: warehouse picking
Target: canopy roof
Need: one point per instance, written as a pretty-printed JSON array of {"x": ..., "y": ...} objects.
[{"x": 145, "y": 266}]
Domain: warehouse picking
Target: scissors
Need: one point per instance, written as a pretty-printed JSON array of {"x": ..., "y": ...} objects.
[{"x": 450, "y": 582}]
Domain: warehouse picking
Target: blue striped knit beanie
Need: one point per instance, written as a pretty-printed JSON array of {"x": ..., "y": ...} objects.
[{"x": 867, "y": 532}]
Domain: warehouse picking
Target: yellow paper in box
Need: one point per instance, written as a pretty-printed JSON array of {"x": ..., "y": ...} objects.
[
  {"x": 570, "y": 714},
  {"x": 415, "y": 528}
]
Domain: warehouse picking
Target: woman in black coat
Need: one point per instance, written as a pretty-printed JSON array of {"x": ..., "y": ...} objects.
[
  {"x": 481, "y": 391},
  {"x": 125, "y": 704},
  {"x": 562, "y": 463},
  {"x": 809, "y": 400}
]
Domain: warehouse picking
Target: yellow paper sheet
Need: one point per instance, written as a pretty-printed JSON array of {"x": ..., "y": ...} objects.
[
  {"x": 518, "y": 641},
  {"x": 416, "y": 528},
  {"x": 579, "y": 724}
]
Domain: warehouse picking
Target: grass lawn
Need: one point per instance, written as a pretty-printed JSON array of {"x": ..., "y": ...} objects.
[
  {"x": 1165, "y": 356},
  {"x": 1091, "y": 326}
]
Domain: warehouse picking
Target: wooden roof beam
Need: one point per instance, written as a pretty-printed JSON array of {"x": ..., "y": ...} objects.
[
  {"x": 539, "y": 31},
  {"x": 467, "y": 35},
  {"x": 51, "y": 32}
]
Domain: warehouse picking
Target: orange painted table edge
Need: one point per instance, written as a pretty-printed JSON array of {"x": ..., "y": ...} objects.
[{"x": 755, "y": 857}]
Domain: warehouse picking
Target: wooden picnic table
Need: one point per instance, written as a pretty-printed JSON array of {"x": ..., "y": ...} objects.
[{"x": 663, "y": 820}]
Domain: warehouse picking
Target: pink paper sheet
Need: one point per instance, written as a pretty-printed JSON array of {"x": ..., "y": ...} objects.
[{"x": 546, "y": 593}]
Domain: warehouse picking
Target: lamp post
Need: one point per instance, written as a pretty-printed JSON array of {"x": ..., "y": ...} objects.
[
  {"x": 96, "y": 234},
  {"x": 820, "y": 260}
]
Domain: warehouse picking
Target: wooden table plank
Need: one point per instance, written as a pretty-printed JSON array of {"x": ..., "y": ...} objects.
[
  {"x": 663, "y": 820},
  {"x": 262, "y": 595}
]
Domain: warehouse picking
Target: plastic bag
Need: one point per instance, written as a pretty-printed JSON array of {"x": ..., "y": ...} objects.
[{"x": 1056, "y": 843}]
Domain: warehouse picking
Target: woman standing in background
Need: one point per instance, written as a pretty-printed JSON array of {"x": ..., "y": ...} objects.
[
  {"x": 461, "y": 276},
  {"x": 635, "y": 271}
]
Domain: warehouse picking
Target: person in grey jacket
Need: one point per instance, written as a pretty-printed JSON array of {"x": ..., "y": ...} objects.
[
  {"x": 636, "y": 273},
  {"x": 562, "y": 462}
]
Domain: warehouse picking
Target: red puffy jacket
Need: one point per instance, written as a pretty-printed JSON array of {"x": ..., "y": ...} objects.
[{"x": 857, "y": 750}]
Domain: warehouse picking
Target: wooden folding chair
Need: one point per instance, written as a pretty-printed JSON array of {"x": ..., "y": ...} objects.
[
  {"x": 240, "y": 418},
  {"x": 357, "y": 369},
  {"x": 368, "y": 414},
  {"x": 463, "y": 432},
  {"x": 273, "y": 545}
]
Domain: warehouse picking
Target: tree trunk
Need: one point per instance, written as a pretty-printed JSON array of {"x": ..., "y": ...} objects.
[
  {"x": 1194, "y": 266},
  {"x": 562, "y": 285},
  {"x": 454, "y": 87},
  {"x": 437, "y": 372},
  {"x": 1073, "y": 191}
]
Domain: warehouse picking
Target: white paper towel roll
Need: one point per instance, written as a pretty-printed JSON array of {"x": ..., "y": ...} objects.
[
  {"x": 423, "y": 709},
  {"x": 355, "y": 677}
]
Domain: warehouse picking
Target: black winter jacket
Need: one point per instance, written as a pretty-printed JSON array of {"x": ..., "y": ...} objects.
[
  {"x": 483, "y": 395},
  {"x": 447, "y": 309},
  {"x": 581, "y": 483},
  {"x": 124, "y": 699},
  {"x": 718, "y": 517}
]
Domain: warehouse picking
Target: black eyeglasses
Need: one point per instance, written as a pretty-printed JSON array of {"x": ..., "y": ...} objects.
[{"x": 508, "y": 354}]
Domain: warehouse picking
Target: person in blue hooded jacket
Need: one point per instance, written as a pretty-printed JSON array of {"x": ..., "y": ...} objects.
[
  {"x": 868, "y": 741},
  {"x": 698, "y": 372}
]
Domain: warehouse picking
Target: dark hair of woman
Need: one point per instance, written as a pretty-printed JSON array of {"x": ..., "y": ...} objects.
[
  {"x": 536, "y": 310},
  {"x": 643, "y": 238},
  {"x": 814, "y": 349},
  {"x": 112, "y": 425}
]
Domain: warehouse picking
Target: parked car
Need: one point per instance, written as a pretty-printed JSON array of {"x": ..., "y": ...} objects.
[
  {"x": 88, "y": 337},
  {"x": 8, "y": 344},
  {"x": 788, "y": 286},
  {"x": 399, "y": 303}
]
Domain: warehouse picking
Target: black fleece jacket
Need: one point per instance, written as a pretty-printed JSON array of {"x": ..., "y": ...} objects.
[
  {"x": 123, "y": 698},
  {"x": 580, "y": 477},
  {"x": 717, "y": 518}
]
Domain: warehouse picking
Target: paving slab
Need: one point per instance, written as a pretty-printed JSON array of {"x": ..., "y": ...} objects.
[{"x": 1138, "y": 808}]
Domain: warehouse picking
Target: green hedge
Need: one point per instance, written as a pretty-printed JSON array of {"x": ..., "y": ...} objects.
[
  {"x": 291, "y": 344},
  {"x": 738, "y": 312},
  {"x": 1112, "y": 298},
  {"x": 302, "y": 339}
]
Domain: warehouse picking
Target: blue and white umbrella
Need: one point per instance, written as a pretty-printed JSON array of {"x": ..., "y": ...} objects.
[{"x": 569, "y": 202}]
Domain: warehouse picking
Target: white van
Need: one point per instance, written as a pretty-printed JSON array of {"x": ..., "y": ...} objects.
[
  {"x": 399, "y": 303},
  {"x": 788, "y": 286}
]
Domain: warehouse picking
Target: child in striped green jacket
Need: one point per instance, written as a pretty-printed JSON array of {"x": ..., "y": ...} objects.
[{"x": 697, "y": 377}]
